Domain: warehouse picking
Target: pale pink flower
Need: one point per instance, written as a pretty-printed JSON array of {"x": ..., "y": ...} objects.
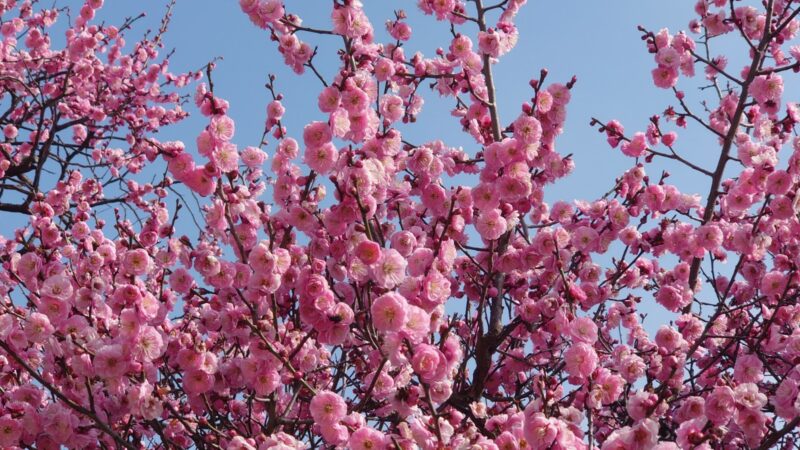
[
  {"x": 773, "y": 283},
  {"x": 765, "y": 88},
  {"x": 749, "y": 396},
  {"x": 668, "y": 57},
  {"x": 485, "y": 196},
  {"x": 585, "y": 239},
  {"x": 404, "y": 242},
  {"x": 691, "y": 432},
  {"x": 266, "y": 381},
  {"x": 253, "y": 157}
]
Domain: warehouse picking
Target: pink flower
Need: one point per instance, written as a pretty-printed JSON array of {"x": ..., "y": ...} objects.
[
  {"x": 334, "y": 433},
  {"x": 369, "y": 252},
  {"x": 404, "y": 242},
  {"x": 720, "y": 405},
  {"x": 632, "y": 368},
  {"x": 227, "y": 158},
  {"x": 328, "y": 100},
  {"x": 137, "y": 262},
  {"x": 354, "y": 100},
  {"x": 390, "y": 270},
  {"x": 148, "y": 344},
  {"x": 29, "y": 265},
  {"x": 585, "y": 239},
  {"x": 321, "y": 158},
  {"x": 665, "y": 77},
  {"x": 673, "y": 297},
  {"x": 222, "y": 128},
  {"x": 485, "y": 196},
  {"x": 767, "y": 88},
  {"x": 583, "y": 329},
  {"x": 316, "y": 133},
  {"x": 489, "y": 43},
  {"x": 754, "y": 425},
  {"x": 540, "y": 431},
  {"x": 327, "y": 407},
  {"x": 181, "y": 280},
  {"x": 38, "y": 327},
  {"x": 749, "y": 396},
  {"x": 527, "y": 129},
  {"x": 691, "y": 433},
  {"x": 198, "y": 381},
  {"x": 366, "y": 438},
  {"x": 491, "y": 224},
  {"x": 266, "y": 381},
  {"x": 668, "y": 57},
  {"x": 429, "y": 363},
  {"x": 10, "y": 432},
  {"x": 708, "y": 236},
  {"x": 111, "y": 361},
  {"x": 637, "y": 146},
  {"x": 58, "y": 287},
  {"x": 275, "y": 110},
  {"x": 199, "y": 181},
  {"x": 668, "y": 340},
  {"x": 773, "y": 283},
  {"x": 253, "y": 157},
  {"x": 580, "y": 360},
  {"x": 181, "y": 165},
  {"x": 389, "y": 312},
  {"x": 392, "y": 107},
  {"x": 10, "y": 131},
  {"x": 748, "y": 369}
]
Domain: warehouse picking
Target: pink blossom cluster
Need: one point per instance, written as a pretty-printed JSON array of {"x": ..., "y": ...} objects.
[{"x": 348, "y": 288}]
